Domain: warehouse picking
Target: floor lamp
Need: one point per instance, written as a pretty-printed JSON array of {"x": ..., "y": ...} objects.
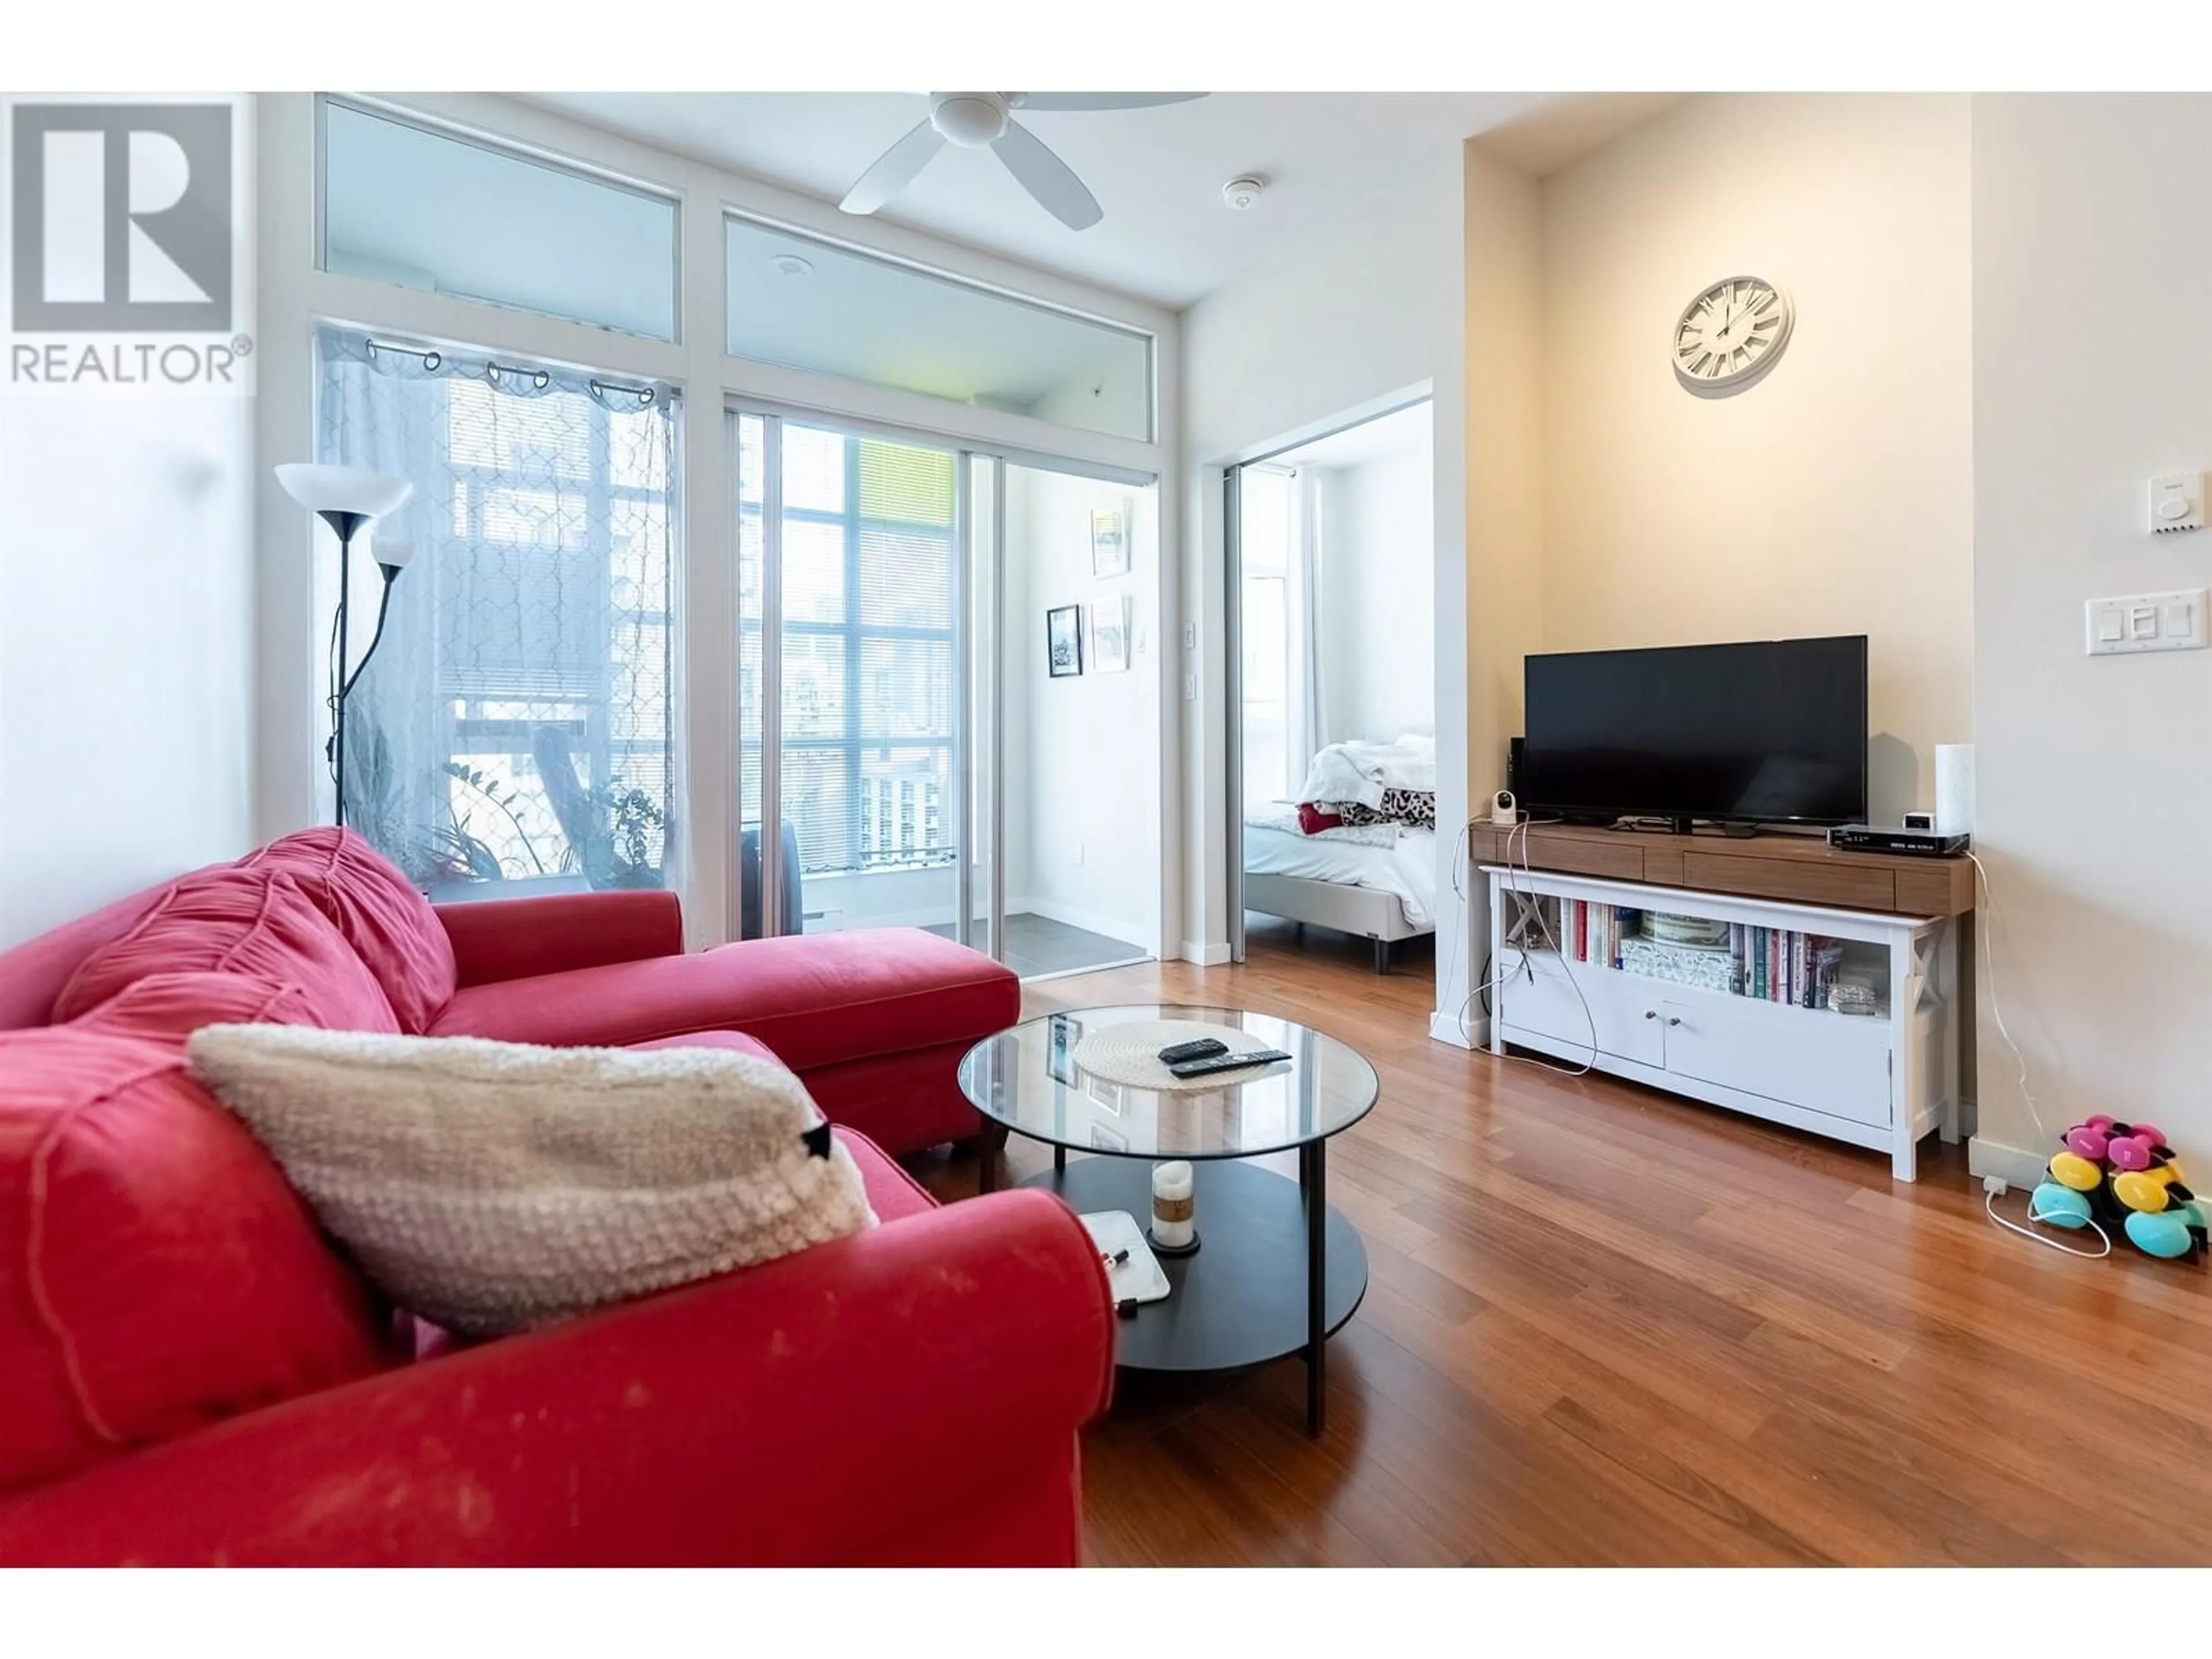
[{"x": 349, "y": 499}]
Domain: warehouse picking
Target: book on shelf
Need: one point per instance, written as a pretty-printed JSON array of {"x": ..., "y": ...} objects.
[{"x": 1827, "y": 959}]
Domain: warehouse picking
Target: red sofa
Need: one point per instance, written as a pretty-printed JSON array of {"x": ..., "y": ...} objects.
[{"x": 189, "y": 1372}]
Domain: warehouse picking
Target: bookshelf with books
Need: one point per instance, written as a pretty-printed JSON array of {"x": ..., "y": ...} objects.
[
  {"x": 1841, "y": 1022},
  {"x": 1791, "y": 967}
]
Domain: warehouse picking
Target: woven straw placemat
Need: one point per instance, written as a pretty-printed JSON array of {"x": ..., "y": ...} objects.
[{"x": 1130, "y": 1054}]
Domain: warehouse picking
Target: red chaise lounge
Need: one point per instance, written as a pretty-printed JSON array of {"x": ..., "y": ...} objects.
[{"x": 190, "y": 1373}]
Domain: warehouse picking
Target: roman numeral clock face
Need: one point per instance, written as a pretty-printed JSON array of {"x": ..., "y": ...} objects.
[{"x": 1731, "y": 335}]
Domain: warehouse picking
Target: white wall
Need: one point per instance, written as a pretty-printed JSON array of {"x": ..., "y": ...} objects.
[
  {"x": 126, "y": 654},
  {"x": 1082, "y": 752},
  {"x": 2094, "y": 776},
  {"x": 1378, "y": 563},
  {"x": 1835, "y": 497},
  {"x": 1353, "y": 318}
]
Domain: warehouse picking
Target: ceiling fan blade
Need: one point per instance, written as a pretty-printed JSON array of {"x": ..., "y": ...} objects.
[
  {"x": 1072, "y": 101},
  {"x": 895, "y": 169},
  {"x": 1046, "y": 177}
]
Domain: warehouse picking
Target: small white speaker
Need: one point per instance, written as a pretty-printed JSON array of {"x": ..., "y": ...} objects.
[
  {"x": 1955, "y": 789},
  {"x": 1504, "y": 811}
]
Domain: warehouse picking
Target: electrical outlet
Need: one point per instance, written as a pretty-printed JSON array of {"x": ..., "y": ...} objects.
[{"x": 1995, "y": 1186}]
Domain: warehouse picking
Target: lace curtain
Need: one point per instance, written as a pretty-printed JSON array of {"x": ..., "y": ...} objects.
[{"x": 516, "y": 724}]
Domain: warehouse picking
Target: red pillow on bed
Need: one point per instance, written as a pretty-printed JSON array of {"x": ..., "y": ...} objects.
[{"x": 1312, "y": 820}]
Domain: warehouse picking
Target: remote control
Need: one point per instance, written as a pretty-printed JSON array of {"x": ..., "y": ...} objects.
[
  {"x": 1203, "y": 1048},
  {"x": 1190, "y": 1068}
]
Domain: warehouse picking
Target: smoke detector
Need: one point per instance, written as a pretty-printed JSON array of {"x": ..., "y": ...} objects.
[
  {"x": 791, "y": 264},
  {"x": 1242, "y": 193}
]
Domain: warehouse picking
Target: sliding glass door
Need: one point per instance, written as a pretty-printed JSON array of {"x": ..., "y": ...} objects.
[
  {"x": 852, "y": 563},
  {"x": 949, "y": 706}
]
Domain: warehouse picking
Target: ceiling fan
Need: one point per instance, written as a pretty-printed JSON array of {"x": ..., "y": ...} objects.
[{"x": 974, "y": 119}]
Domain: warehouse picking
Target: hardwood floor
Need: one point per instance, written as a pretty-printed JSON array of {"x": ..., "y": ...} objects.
[{"x": 1605, "y": 1326}]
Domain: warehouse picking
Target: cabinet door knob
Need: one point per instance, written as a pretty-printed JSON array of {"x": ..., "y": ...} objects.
[
  {"x": 1672, "y": 1020},
  {"x": 1650, "y": 1013}
]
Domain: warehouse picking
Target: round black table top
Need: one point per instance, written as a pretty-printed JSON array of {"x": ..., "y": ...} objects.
[{"x": 1026, "y": 1078}]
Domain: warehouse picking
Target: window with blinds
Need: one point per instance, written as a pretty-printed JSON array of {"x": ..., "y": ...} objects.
[{"x": 871, "y": 584}]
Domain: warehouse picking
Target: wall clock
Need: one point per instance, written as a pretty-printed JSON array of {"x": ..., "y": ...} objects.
[{"x": 1730, "y": 335}]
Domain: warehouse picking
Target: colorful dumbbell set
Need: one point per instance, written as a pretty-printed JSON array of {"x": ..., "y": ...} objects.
[{"x": 2123, "y": 1176}]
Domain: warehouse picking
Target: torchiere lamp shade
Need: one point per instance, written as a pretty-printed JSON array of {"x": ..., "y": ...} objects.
[{"x": 351, "y": 490}]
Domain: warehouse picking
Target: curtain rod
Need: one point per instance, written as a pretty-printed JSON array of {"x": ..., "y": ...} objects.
[{"x": 432, "y": 359}]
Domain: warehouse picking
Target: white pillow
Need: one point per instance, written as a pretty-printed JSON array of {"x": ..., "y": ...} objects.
[{"x": 492, "y": 1186}]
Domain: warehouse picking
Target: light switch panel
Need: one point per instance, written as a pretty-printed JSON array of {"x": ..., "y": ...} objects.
[{"x": 2146, "y": 621}]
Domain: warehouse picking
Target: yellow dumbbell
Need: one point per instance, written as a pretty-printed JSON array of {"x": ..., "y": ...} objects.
[
  {"x": 2071, "y": 1170},
  {"x": 2143, "y": 1189}
]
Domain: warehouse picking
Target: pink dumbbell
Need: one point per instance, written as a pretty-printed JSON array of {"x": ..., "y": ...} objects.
[
  {"x": 2130, "y": 1151},
  {"x": 2087, "y": 1140}
]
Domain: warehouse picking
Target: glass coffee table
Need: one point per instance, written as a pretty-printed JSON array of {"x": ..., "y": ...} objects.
[{"x": 1277, "y": 1270}]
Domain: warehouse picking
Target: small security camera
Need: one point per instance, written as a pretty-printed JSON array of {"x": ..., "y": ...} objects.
[{"x": 1503, "y": 809}]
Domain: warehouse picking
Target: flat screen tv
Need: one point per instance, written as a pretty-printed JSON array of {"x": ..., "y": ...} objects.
[{"x": 1768, "y": 732}]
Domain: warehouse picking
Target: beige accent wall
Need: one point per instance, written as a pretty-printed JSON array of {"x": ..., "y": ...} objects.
[
  {"x": 1506, "y": 548},
  {"x": 1835, "y": 496},
  {"x": 1504, "y": 506}
]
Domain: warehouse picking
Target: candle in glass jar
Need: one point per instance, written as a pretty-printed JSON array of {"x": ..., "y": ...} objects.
[{"x": 1173, "y": 1227}]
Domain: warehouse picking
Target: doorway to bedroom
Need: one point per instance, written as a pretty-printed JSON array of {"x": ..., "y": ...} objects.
[{"x": 1331, "y": 551}]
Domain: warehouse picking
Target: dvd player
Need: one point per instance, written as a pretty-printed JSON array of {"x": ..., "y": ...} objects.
[{"x": 1883, "y": 838}]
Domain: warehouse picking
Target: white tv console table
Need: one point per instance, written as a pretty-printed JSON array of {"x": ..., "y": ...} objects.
[{"x": 1881, "y": 1081}]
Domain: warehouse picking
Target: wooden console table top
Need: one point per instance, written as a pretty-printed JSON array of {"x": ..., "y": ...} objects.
[{"x": 1787, "y": 868}]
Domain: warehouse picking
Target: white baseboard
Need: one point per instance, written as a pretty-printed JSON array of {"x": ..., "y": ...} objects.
[
  {"x": 1446, "y": 1028},
  {"x": 1205, "y": 955},
  {"x": 2020, "y": 1167}
]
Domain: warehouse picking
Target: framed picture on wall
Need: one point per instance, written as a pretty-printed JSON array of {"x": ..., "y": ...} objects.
[
  {"x": 1109, "y": 541},
  {"x": 1109, "y": 634},
  {"x": 1063, "y": 640}
]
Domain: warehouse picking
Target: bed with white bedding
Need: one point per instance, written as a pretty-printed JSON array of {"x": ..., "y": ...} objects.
[{"x": 1377, "y": 881}]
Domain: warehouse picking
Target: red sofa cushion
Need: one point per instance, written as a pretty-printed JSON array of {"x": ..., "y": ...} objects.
[
  {"x": 170, "y": 1007},
  {"x": 902, "y": 1102},
  {"x": 157, "y": 1273},
  {"x": 231, "y": 920},
  {"x": 817, "y": 1000},
  {"x": 736, "y": 1042},
  {"x": 391, "y": 927},
  {"x": 33, "y": 973}
]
